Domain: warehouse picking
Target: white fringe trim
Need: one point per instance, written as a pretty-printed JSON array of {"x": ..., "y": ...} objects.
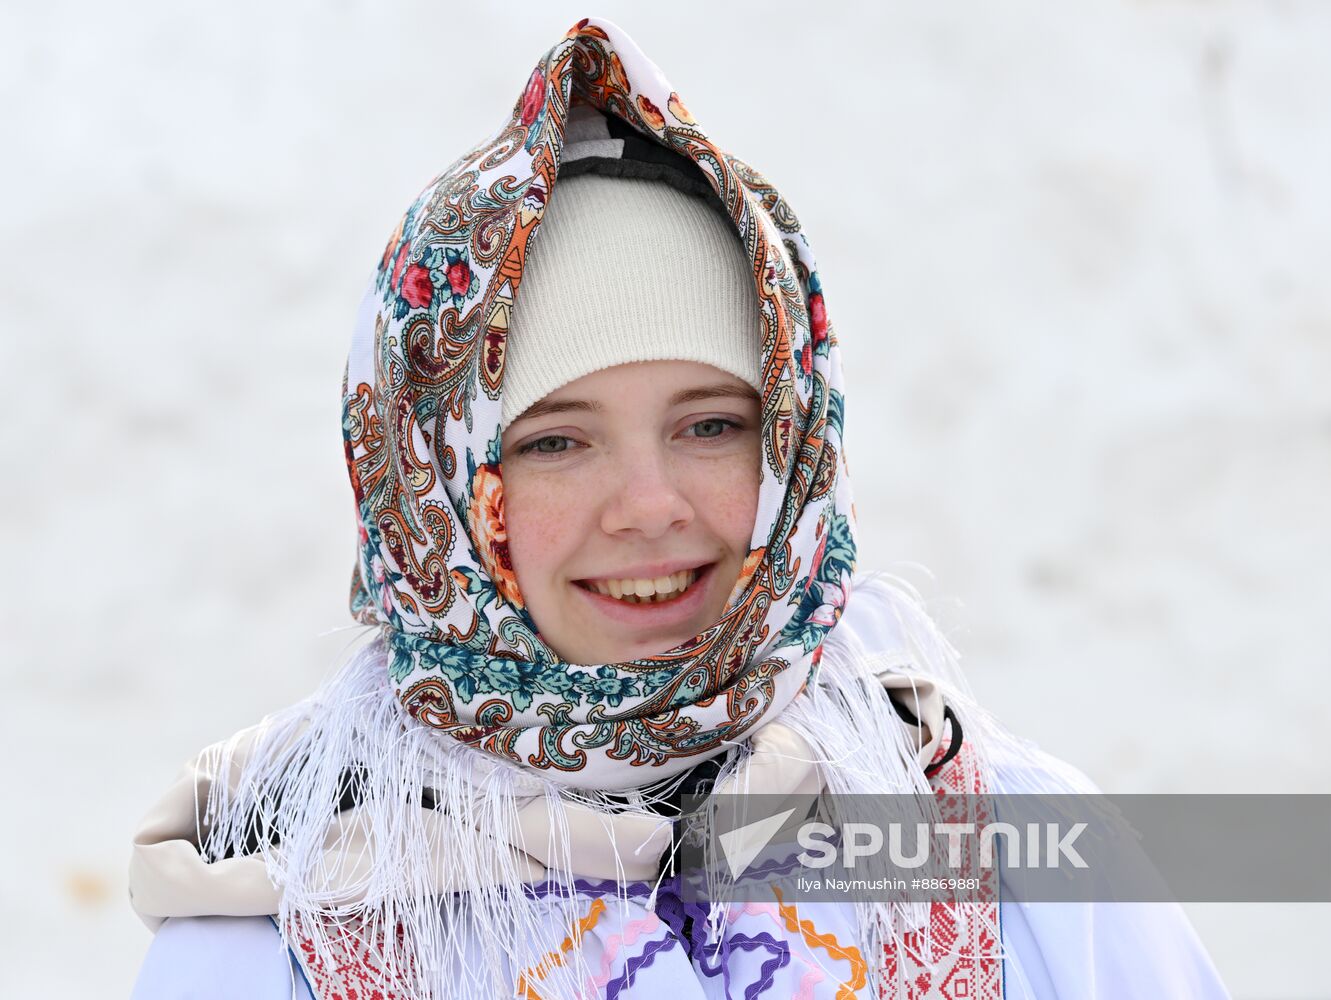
[{"x": 453, "y": 878}]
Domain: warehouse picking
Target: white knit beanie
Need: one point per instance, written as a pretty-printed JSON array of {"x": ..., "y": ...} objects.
[{"x": 624, "y": 269}]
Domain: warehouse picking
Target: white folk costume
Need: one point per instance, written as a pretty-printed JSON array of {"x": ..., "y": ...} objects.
[{"x": 460, "y": 812}]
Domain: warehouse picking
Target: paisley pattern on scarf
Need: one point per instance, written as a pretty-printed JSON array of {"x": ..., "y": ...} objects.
[{"x": 421, "y": 422}]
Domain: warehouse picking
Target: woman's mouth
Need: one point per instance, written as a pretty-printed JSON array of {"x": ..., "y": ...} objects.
[
  {"x": 645, "y": 591},
  {"x": 667, "y": 601}
]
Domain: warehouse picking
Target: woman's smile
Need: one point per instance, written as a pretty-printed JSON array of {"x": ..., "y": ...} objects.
[
  {"x": 666, "y": 600},
  {"x": 629, "y": 500},
  {"x": 651, "y": 583}
]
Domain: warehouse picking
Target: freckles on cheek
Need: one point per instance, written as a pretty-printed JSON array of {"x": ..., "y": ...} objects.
[
  {"x": 732, "y": 499},
  {"x": 537, "y": 520}
]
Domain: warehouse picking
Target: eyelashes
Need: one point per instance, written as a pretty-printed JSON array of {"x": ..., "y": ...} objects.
[
  {"x": 530, "y": 446},
  {"x": 727, "y": 426}
]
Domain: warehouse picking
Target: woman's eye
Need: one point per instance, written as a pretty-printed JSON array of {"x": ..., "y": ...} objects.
[
  {"x": 711, "y": 428},
  {"x": 552, "y": 444}
]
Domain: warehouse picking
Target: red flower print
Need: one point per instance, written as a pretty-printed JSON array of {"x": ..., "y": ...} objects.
[
  {"x": 818, "y": 318},
  {"x": 417, "y": 288},
  {"x": 459, "y": 277},
  {"x": 806, "y": 359},
  {"x": 398, "y": 265},
  {"x": 532, "y": 97}
]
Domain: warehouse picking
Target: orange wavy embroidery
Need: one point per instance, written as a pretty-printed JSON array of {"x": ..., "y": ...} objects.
[
  {"x": 859, "y": 969},
  {"x": 555, "y": 959}
]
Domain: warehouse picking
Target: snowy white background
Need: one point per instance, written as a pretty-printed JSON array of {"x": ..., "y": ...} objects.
[{"x": 1077, "y": 259}]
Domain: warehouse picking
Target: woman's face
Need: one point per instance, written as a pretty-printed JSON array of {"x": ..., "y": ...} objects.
[{"x": 630, "y": 497}]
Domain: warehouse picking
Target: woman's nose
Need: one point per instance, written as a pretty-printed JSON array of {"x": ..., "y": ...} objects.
[{"x": 647, "y": 499}]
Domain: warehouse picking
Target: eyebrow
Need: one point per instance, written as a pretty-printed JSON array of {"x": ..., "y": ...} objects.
[
  {"x": 549, "y": 407},
  {"x": 713, "y": 392},
  {"x": 546, "y": 407}
]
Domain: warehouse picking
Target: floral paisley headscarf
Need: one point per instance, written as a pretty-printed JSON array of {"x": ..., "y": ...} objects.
[{"x": 422, "y": 434}]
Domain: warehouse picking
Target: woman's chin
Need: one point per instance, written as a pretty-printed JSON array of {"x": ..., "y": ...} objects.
[{"x": 635, "y": 649}]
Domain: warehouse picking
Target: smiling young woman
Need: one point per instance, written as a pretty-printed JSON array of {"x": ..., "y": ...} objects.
[{"x": 593, "y": 421}]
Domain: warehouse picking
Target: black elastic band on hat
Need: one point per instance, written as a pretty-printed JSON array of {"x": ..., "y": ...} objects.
[{"x": 643, "y": 159}]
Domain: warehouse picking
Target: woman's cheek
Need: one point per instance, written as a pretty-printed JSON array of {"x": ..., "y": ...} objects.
[
  {"x": 538, "y": 527},
  {"x": 728, "y": 492}
]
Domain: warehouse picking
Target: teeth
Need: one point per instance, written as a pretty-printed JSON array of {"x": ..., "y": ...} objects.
[{"x": 662, "y": 588}]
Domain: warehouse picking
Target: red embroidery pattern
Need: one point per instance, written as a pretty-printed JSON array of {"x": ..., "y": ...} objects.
[{"x": 961, "y": 955}]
